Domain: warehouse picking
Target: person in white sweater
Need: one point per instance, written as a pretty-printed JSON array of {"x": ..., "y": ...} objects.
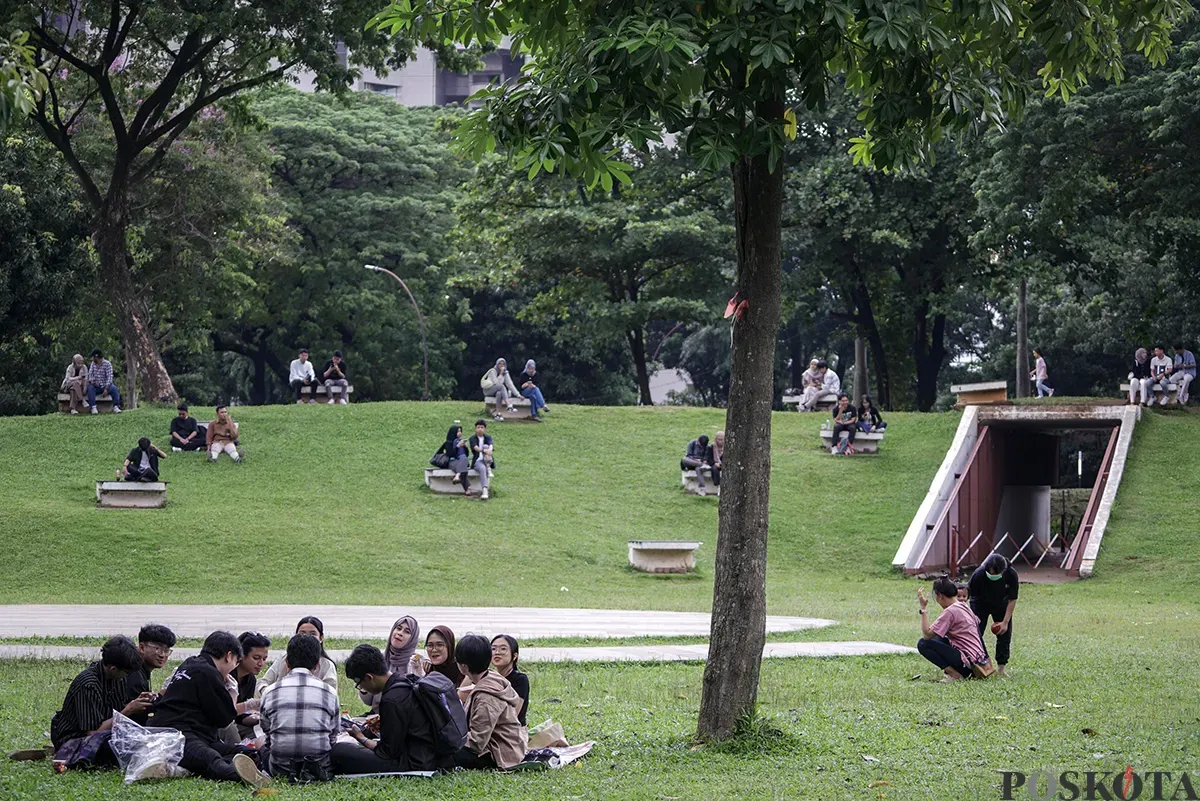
[{"x": 303, "y": 375}]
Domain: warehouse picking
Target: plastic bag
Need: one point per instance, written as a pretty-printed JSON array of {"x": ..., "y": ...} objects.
[{"x": 146, "y": 753}]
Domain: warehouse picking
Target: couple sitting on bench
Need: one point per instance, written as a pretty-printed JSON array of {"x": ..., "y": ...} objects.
[{"x": 701, "y": 454}]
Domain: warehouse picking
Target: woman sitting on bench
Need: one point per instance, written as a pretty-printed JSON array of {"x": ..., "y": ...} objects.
[
  {"x": 458, "y": 449},
  {"x": 869, "y": 418},
  {"x": 142, "y": 462}
]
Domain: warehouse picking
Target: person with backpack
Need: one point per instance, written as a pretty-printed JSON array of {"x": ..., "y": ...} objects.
[
  {"x": 495, "y": 737},
  {"x": 407, "y": 738}
]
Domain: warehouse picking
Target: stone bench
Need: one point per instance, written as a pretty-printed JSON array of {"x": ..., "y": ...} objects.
[
  {"x": 131, "y": 494},
  {"x": 324, "y": 390},
  {"x": 863, "y": 443},
  {"x": 523, "y": 406},
  {"x": 440, "y": 480},
  {"x": 984, "y": 392},
  {"x": 692, "y": 485},
  {"x": 825, "y": 402},
  {"x": 104, "y": 404},
  {"x": 663, "y": 556},
  {"x": 1158, "y": 387}
]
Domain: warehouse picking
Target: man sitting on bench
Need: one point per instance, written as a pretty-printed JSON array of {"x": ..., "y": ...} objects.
[
  {"x": 142, "y": 462},
  {"x": 698, "y": 456},
  {"x": 100, "y": 380},
  {"x": 301, "y": 375},
  {"x": 223, "y": 436},
  {"x": 185, "y": 433},
  {"x": 1183, "y": 373},
  {"x": 845, "y": 419},
  {"x": 334, "y": 375}
]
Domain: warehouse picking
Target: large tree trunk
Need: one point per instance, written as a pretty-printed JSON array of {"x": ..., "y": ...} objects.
[
  {"x": 860, "y": 370},
  {"x": 637, "y": 346},
  {"x": 865, "y": 317},
  {"x": 1022, "y": 386},
  {"x": 132, "y": 314},
  {"x": 929, "y": 353},
  {"x": 739, "y": 589}
]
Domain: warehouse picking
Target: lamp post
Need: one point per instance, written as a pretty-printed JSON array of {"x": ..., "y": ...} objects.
[{"x": 420, "y": 320}]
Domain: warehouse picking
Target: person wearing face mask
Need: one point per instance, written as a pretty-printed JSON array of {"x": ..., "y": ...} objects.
[
  {"x": 993, "y": 589},
  {"x": 401, "y": 646},
  {"x": 325, "y": 670}
]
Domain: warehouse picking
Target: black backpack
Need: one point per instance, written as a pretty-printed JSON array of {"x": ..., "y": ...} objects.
[{"x": 438, "y": 699}]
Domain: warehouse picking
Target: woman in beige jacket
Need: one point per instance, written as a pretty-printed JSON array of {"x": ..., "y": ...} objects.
[{"x": 498, "y": 383}]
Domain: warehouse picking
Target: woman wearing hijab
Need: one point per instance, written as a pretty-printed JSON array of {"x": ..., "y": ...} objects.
[
  {"x": 142, "y": 462},
  {"x": 529, "y": 389},
  {"x": 498, "y": 383},
  {"x": 458, "y": 449},
  {"x": 75, "y": 384},
  {"x": 439, "y": 652},
  {"x": 1140, "y": 379},
  {"x": 505, "y": 654},
  {"x": 326, "y": 671},
  {"x": 398, "y": 655}
]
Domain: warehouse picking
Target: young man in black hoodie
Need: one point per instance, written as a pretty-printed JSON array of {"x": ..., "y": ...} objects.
[
  {"x": 198, "y": 703},
  {"x": 406, "y": 738}
]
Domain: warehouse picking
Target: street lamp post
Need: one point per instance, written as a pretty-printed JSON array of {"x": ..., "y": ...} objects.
[{"x": 420, "y": 320}]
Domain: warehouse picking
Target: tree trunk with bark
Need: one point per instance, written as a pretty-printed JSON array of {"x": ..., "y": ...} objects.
[
  {"x": 1022, "y": 387},
  {"x": 860, "y": 370},
  {"x": 637, "y": 347},
  {"x": 109, "y": 236},
  {"x": 738, "y": 630},
  {"x": 929, "y": 353}
]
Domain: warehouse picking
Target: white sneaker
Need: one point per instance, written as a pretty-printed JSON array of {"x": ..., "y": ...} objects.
[
  {"x": 116, "y": 410},
  {"x": 249, "y": 772},
  {"x": 74, "y": 411},
  {"x": 484, "y": 496},
  {"x": 177, "y": 450},
  {"x": 332, "y": 401},
  {"x": 512, "y": 409},
  {"x": 299, "y": 402},
  {"x": 1165, "y": 400},
  {"x": 343, "y": 401},
  {"x": 95, "y": 410},
  {"x": 704, "y": 491}
]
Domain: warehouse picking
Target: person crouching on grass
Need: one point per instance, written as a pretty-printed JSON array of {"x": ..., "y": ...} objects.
[{"x": 952, "y": 641}]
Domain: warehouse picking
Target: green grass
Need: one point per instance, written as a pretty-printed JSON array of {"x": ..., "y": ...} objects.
[{"x": 1115, "y": 654}]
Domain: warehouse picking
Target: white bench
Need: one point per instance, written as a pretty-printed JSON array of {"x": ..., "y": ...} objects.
[
  {"x": 984, "y": 392},
  {"x": 1158, "y": 387},
  {"x": 523, "y": 406},
  {"x": 863, "y": 443},
  {"x": 441, "y": 480},
  {"x": 324, "y": 390},
  {"x": 825, "y": 402},
  {"x": 692, "y": 485},
  {"x": 663, "y": 556},
  {"x": 131, "y": 494},
  {"x": 104, "y": 403}
]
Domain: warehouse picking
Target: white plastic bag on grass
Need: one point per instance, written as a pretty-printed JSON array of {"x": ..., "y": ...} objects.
[{"x": 146, "y": 753}]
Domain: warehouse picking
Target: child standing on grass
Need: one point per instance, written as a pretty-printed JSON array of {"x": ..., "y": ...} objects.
[{"x": 1041, "y": 375}]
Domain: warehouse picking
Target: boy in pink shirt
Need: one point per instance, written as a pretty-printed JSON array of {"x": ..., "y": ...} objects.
[{"x": 952, "y": 642}]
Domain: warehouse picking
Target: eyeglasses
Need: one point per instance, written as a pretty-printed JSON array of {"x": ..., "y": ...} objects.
[{"x": 158, "y": 649}]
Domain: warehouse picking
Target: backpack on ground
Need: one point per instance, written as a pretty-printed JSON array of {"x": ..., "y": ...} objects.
[{"x": 438, "y": 699}]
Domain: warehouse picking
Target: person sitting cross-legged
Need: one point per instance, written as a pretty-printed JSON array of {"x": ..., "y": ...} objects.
[
  {"x": 952, "y": 642},
  {"x": 142, "y": 462},
  {"x": 406, "y": 737},
  {"x": 197, "y": 703},
  {"x": 222, "y": 436},
  {"x": 529, "y": 384},
  {"x": 79, "y": 730},
  {"x": 495, "y": 736},
  {"x": 185, "y": 431},
  {"x": 100, "y": 380},
  {"x": 300, "y": 717}
]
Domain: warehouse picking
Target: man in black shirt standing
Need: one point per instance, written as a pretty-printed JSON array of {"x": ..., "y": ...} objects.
[
  {"x": 405, "y": 735},
  {"x": 154, "y": 646},
  {"x": 94, "y": 694},
  {"x": 198, "y": 703},
  {"x": 993, "y": 588},
  {"x": 185, "y": 433}
]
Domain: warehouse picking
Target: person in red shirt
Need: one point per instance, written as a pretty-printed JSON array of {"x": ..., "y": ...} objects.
[{"x": 951, "y": 642}]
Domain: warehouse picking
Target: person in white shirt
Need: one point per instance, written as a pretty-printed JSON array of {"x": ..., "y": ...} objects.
[
  {"x": 1160, "y": 373},
  {"x": 303, "y": 375},
  {"x": 830, "y": 383}
]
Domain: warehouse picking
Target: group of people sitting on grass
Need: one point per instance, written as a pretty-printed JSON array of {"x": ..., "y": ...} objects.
[
  {"x": 460, "y": 705},
  {"x": 498, "y": 383},
  {"x": 464, "y": 455},
  {"x": 701, "y": 455},
  {"x": 817, "y": 381},
  {"x": 335, "y": 374},
  {"x": 217, "y": 437},
  {"x": 848, "y": 420},
  {"x": 1160, "y": 369},
  {"x": 954, "y": 641}
]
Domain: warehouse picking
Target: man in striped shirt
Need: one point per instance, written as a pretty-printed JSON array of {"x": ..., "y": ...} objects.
[
  {"x": 300, "y": 716},
  {"x": 100, "y": 380},
  {"x": 95, "y": 693}
]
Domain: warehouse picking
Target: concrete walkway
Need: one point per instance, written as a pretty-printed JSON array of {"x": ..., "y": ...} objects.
[
  {"x": 636, "y": 653},
  {"x": 367, "y": 622}
]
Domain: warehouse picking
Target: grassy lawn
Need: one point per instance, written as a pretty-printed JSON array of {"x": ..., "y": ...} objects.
[{"x": 1115, "y": 654}]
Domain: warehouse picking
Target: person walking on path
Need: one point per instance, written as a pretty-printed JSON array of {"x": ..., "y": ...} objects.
[{"x": 1040, "y": 374}]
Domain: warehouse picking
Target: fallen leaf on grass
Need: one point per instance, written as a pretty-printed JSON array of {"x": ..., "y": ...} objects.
[
  {"x": 1089, "y": 732},
  {"x": 869, "y": 758},
  {"x": 880, "y": 784}
]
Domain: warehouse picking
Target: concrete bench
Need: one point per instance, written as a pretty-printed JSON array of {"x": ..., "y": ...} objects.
[
  {"x": 825, "y": 402},
  {"x": 863, "y": 443},
  {"x": 441, "y": 480},
  {"x": 131, "y": 494},
  {"x": 324, "y": 390},
  {"x": 985, "y": 392},
  {"x": 523, "y": 406},
  {"x": 104, "y": 404},
  {"x": 692, "y": 485},
  {"x": 1158, "y": 387},
  {"x": 663, "y": 556}
]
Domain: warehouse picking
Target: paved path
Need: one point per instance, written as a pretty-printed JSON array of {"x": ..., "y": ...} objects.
[
  {"x": 636, "y": 653},
  {"x": 350, "y": 622}
]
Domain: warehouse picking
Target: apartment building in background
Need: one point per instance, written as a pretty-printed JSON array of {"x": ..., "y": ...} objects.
[{"x": 422, "y": 83}]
